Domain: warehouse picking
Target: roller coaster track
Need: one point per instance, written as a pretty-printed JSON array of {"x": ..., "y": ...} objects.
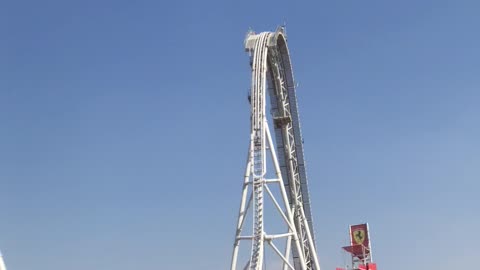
[{"x": 272, "y": 73}]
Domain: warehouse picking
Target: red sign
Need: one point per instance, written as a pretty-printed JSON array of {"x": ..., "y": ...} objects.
[
  {"x": 360, "y": 243},
  {"x": 369, "y": 266},
  {"x": 359, "y": 235}
]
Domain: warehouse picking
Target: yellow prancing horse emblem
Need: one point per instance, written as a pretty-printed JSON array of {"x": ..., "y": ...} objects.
[{"x": 359, "y": 236}]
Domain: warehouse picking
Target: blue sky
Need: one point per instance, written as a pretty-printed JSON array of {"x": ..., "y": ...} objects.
[{"x": 124, "y": 128}]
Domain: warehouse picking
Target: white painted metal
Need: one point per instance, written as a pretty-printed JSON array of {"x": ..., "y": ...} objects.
[
  {"x": 2, "y": 264},
  {"x": 271, "y": 64},
  {"x": 370, "y": 243}
]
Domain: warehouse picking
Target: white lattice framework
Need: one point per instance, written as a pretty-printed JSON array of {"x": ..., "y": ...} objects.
[{"x": 272, "y": 73}]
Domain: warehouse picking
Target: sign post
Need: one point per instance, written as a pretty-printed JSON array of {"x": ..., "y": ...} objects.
[{"x": 360, "y": 248}]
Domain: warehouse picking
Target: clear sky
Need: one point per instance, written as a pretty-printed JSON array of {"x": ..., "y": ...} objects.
[{"x": 124, "y": 127}]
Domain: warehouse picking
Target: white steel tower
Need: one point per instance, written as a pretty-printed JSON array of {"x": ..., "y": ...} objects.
[
  {"x": 2, "y": 264},
  {"x": 272, "y": 72}
]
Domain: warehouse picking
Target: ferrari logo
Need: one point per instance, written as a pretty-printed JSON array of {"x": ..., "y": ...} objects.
[{"x": 359, "y": 236}]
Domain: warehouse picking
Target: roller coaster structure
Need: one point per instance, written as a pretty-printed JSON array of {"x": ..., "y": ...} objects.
[{"x": 272, "y": 73}]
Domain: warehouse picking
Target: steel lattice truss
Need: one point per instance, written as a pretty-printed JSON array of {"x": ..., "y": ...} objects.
[{"x": 272, "y": 73}]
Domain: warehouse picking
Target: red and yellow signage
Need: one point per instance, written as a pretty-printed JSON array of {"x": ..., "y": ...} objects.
[
  {"x": 360, "y": 243},
  {"x": 359, "y": 235}
]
